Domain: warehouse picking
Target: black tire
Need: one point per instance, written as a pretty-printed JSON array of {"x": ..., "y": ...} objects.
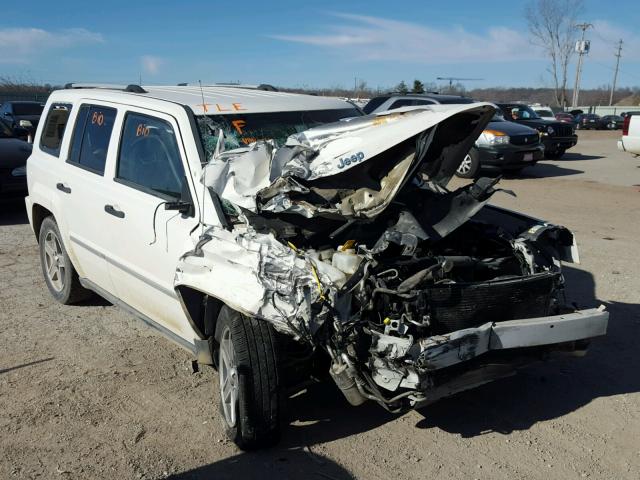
[
  {"x": 259, "y": 397},
  {"x": 470, "y": 166},
  {"x": 554, "y": 154},
  {"x": 65, "y": 286}
]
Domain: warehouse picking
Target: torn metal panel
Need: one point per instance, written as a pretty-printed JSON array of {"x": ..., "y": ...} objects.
[
  {"x": 259, "y": 178},
  {"x": 259, "y": 276}
]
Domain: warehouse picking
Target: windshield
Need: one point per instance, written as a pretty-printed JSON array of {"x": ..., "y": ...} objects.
[
  {"x": 544, "y": 113},
  {"x": 522, "y": 112},
  {"x": 27, "y": 109},
  {"x": 243, "y": 129}
]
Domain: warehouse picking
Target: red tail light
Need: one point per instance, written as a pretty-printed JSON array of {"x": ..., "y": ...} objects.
[{"x": 625, "y": 125}]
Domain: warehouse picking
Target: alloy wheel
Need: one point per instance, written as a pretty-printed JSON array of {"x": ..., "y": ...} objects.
[
  {"x": 228, "y": 375},
  {"x": 54, "y": 261},
  {"x": 465, "y": 166}
]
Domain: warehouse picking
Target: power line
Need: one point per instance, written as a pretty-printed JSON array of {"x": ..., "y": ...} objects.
[{"x": 615, "y": 75}]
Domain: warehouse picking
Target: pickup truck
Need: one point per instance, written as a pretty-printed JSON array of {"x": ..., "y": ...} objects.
[{"x": 630, "y": 141}]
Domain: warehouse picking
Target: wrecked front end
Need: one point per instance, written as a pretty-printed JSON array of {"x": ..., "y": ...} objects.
[{"x": 347, "y": 239}]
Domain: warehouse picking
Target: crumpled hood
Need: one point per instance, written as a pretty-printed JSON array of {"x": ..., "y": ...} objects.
[{"x": 351, "y": 168}]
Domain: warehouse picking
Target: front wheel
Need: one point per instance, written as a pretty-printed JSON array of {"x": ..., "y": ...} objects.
[
  {"x": 470, "y": 166},
  {"x": 251, "y": 394}
]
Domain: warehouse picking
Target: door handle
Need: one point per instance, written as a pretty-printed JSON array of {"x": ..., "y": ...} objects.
[
  {"x": 63, "y": 188},
  {"x": 113, "y": 211}
]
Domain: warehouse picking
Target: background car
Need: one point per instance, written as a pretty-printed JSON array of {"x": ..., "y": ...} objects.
[
  {"x": 610, "y": 122},
  {"x": 564, "y": 117},
  {"x": 398, "y": 100},
  {"x": 25, "y": 114},
  {"x": 587, "y": 121},
  {"x": 543, "y": 112},
  {"x": 13, "y": 161},
  {"x": 556, "y": 136},
  {"x": 503, "y": 146}
]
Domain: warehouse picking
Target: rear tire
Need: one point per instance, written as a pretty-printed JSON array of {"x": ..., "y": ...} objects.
[
  {"x": 251, "y": 393},
  {"x": 470, "y": 165},
  {"x": 59, "y": 275}
]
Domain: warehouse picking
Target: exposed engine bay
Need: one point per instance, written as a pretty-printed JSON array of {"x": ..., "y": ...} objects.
[{"x": 347, "y": 239}]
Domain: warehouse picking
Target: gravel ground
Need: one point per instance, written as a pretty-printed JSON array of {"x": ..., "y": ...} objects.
[{"x": 89, "y": 392}]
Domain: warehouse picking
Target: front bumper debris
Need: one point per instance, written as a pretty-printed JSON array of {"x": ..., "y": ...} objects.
[{"x": 446, "y": 350}]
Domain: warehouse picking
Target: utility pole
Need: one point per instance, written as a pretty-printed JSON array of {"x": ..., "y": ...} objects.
[
  {"x": 582, "y": 48},
  {"x": 355, "y": 87},
  {"x": 615, "y": 75}
]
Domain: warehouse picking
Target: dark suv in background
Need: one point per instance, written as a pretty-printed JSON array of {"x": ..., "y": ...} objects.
[
  {"x": 22, "y": 113},
  {"x": 502, "y": 146},
  {"x": 557, "y": 137},
  {"x": 398, "y": 100}
]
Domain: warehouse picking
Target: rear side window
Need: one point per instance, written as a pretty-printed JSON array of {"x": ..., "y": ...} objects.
[
  {"x": 54, "y": 127},
  {"x": 409, "y": 102},
  {"x": 373, "y": 104},
  {"x": 149, "y": 158},
  {"x": 91, "y": 137},
  {"x": 27, "y": 108}
]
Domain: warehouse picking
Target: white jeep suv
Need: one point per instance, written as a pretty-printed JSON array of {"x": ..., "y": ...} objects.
[{"x": 285, "y": 237}]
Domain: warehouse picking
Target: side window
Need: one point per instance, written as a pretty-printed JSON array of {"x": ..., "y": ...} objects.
[
  {"x": 401, "y": 103},
  {"x": 409, "y": 102},
  {"x": 54, "y": 128},
  {"x": 91, "y": 136},
  {"x": 149, "y": 157}
]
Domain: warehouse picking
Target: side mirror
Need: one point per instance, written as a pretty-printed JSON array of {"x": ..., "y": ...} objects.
[{"x": 185, "y": 204}]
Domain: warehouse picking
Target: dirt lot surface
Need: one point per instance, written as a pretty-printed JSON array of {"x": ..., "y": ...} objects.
[{"x": 88, "y": 392}]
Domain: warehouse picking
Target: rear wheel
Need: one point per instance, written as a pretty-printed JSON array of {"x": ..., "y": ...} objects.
[
  {"x": 59, "y": 275},
  {"x": 251, "y": 394},
  {"x": 470, "y": 165}
]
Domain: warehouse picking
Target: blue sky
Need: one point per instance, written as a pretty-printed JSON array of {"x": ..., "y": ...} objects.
[{"x": 298, "y": 43}]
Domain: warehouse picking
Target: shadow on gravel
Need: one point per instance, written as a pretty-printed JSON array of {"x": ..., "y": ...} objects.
[
  {"x": 544, "y": 170},
  {"x": 578, "y": 156},
  {"x": 13, "y": 212},
  {"x": 35, "y": 362},
  {"x": 267, "y": 464},
  {"x": 552, "y": 389}
]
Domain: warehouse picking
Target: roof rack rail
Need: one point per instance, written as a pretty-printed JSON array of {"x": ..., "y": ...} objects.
[{"x": 131, "y": 88}]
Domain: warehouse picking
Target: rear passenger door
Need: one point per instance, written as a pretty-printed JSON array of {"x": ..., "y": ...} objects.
[
  {"x": 148, "y": 239},
  {"x": 81, "y": 190}
]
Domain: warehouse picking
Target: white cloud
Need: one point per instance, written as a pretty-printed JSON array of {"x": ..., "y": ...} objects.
[
  {"x": 604, "y": 42},
  {"x": 19, "y": 45},
  {"x": 374, "y": 38},
  {"x": 151, "y": 64}
]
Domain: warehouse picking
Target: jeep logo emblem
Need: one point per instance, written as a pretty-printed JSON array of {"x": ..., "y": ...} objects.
[{"x": 355, "y": 158}]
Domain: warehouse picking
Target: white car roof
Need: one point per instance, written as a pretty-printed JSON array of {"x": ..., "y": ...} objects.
[{"x": 218, "y": 100}]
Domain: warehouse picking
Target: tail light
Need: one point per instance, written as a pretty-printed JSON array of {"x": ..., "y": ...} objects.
[{"x": 625, "y": 125}]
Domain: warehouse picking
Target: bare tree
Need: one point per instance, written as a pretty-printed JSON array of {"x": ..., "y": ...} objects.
[{"x": 552, "y": 26}]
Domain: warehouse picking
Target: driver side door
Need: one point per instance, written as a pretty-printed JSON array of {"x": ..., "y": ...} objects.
[{"x": 146, "y": 239}]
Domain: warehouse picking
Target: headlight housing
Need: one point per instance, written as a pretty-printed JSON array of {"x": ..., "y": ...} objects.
[
  {"x": 493, "y": 137},
  {"x": 19, "y": 171}
]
